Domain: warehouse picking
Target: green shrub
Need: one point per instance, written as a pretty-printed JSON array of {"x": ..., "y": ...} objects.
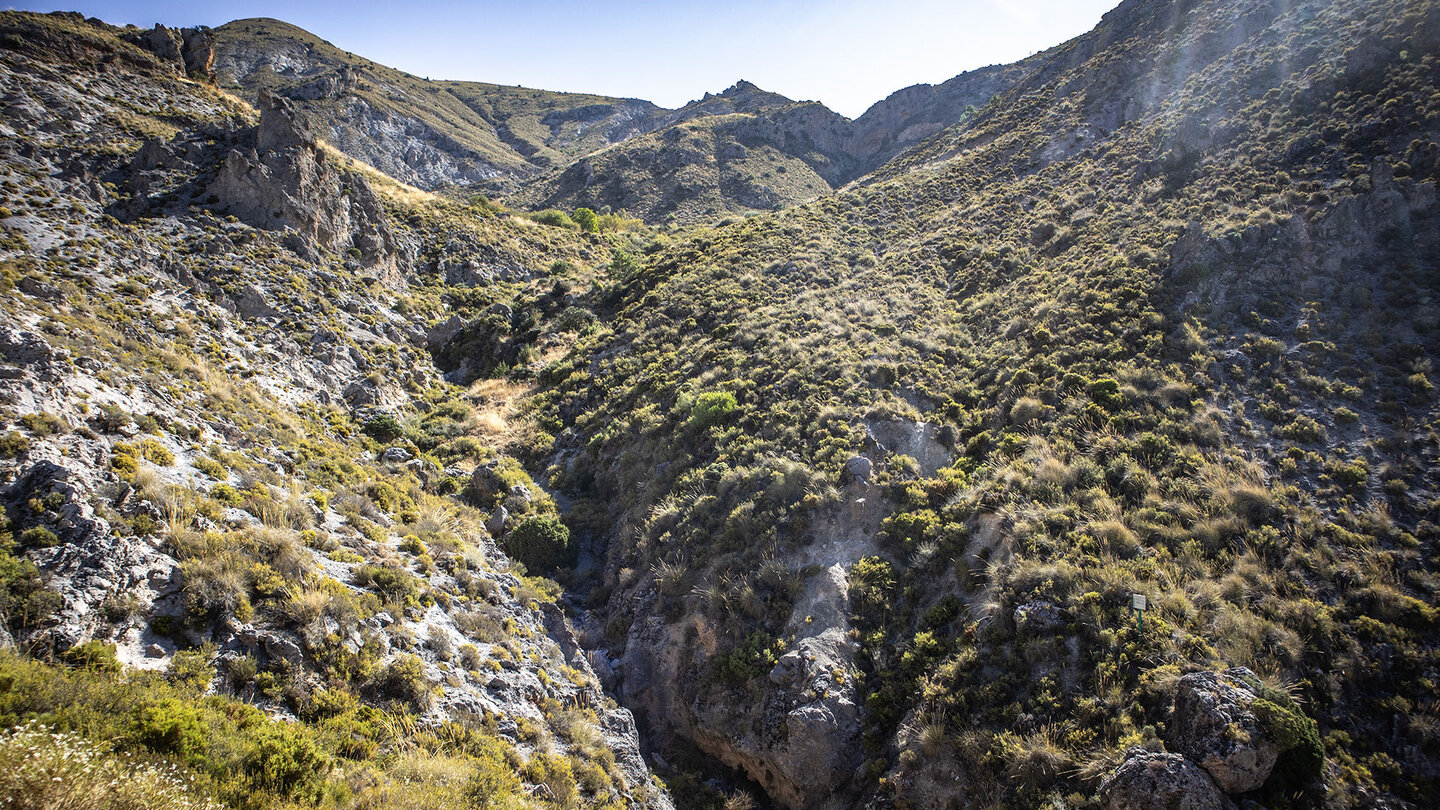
[
  {"x": 285, "y": 759},
  {"x": 384, "y": 428},
  {"x": 745, "y": 661},
  {"x": 190, "y": 669},
  {"x": 41, "y": 768},
  {"x": 209, "y": 466},
  {"x": 410, "y": 544},
  {"x": 710, "y": 408},
  {"x": 44, "y": 424},
  {"x": 124, "y": 464},
  {"x": 404, "y": 680},
  {"x": 175, "y": 728},
  {"x": 623, "y": 266},
  {"x": 392, "y": 583},
  {"x": 555, "y": 773},
  {"x": 14, "y": 445},
  {"x": 1106, "y": 393},
  {"x": 587, "y": 220},
  {"x": 92, "y": 656},
  {"x": 24, "y": 600},
  {"x": 38, "y": 537},
  {"x": 540, "y": 542},
  {"x": 554, "y": 218},
  {"x": 1302, "y": 754}
]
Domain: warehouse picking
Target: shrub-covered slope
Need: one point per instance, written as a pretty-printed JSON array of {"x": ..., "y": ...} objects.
[{"x": 881, "y": 473}]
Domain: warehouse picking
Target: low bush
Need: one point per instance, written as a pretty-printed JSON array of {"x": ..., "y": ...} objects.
[{"x": 540, "y": 542}]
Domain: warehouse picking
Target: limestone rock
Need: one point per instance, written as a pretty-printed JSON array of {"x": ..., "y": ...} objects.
[
  {"x": 278, "y": 178},
  {"x": 24, "y": 353},
  {"x": 199, "y": 50},
  {"x": 1152, "y": 781},
  {"x": 437, "y": 337},
  {"x": 485, "y": 481},
  {"x": 164, "y": 43},
  {"x": 91, "y": 564},
  {"x": 1213, "y": 725},
  {"x": 279, "y": 127},
  {"x": 186, "y": 50}
]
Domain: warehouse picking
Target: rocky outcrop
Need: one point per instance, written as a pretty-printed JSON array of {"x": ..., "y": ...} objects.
[
  {"x": 190, "y": 51},
  {"x": 794, "y": 730},
  {"x": 1221, "y": 747},
  {"x": 282, "y": 180},
  {"x": 1213, "y": 725},
  {"x": 1155, "y": 781},
  {"x": 272, "y": 176},
  {"x": 25, "y": 354},
  {"x": 89, "y": 565},
  {"x": 909, "y": 116}
]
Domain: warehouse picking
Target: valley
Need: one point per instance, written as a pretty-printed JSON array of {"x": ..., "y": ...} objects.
[{"x": 373, "y": 441}]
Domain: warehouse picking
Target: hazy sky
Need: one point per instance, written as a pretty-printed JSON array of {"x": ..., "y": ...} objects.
[{"x": 846, "y": 53}]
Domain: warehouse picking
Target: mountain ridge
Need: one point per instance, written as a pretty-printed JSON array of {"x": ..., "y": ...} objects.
[{"x": 513, "y": 141}]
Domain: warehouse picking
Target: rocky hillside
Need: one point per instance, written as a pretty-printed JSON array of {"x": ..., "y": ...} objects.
[
  {"x": 250, "y": 531},
  {"x": 321, "y": 490}
]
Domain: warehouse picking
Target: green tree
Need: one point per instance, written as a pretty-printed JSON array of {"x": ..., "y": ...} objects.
[
  {"x": 623, "y": 266},
  {"x": 587, "y": 219},
  {"x": 541, "y": 543}
]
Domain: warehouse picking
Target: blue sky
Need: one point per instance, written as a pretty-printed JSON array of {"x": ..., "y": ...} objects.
[{"x": 845, "y": 53}]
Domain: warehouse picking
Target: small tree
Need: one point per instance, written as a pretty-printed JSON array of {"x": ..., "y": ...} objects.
[
  {"x": 540, "y": 543},
  {"x": 622, "y": 265},
  {"x": 587, "y": 219}
]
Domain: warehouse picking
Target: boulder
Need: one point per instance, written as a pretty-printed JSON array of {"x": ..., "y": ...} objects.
[
  {"x": 1213, "y": 724},
  {"x": 1038, "y": 618},
  {"x": 1153, "y": 781},
  {"x": 498, "y": 520},
  {"x": 442, "y": 334},
  {"x": 282, "y": 648},
  {"x": 485, "y": 481},
  {"x": 858, "y": 469},
  {"x": 396, "y": 455}
]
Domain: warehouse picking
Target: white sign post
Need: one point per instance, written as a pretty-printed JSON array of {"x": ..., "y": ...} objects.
[{"x": 1137, "y": 601}]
